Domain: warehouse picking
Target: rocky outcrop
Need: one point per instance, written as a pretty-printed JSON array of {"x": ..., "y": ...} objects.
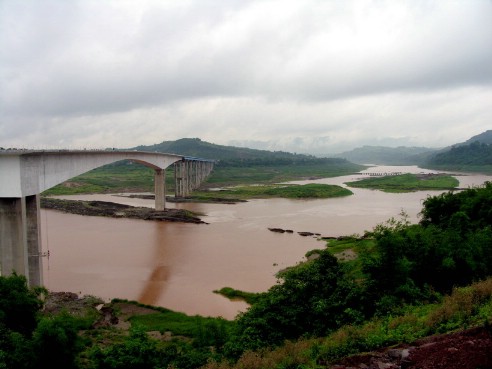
[
  {"x": 280, "y": 230},
  {"x": 114, "y": 210}
]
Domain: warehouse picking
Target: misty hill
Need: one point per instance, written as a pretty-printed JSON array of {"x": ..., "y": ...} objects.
[
  {"x": 387, "y": 155},
  {"x": 473, "y": 154},
  {"x": 232, "y": 155},
  {"x": 484, "y": 137}
]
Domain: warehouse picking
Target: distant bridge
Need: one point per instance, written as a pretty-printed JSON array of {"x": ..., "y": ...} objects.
[{"x": 24, "y": 174}]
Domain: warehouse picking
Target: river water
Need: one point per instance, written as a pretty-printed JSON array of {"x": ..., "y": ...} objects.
[{"x": 178, "y": 265}]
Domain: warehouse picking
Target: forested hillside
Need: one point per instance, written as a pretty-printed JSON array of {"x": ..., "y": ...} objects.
[
  {"x": 484, "y": 137},
  {"x": 234, "y": 156},
  {"x": 475, "y": 153}
]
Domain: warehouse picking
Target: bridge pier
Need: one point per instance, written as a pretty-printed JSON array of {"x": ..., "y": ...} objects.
[
  {"x": 160, "y": 189},
  {"x": 20, "y": 246},
  {"x": 189, "y": 174}
]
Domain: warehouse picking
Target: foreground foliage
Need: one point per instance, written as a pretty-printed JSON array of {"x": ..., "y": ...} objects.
[
  {"x": 464, "y": 307},
  {"x": 409, "y": 281}
]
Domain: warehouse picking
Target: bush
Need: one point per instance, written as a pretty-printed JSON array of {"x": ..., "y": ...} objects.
[
  {"x": 56, "y": 342},
  {"x": 312, "y": 299},
  {"x": 19, "y": 305}
]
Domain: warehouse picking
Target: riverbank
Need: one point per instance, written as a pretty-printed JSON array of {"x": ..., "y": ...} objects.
[
  {"x": 114, "y": 210},
  {"x": 464, "y": 347}
]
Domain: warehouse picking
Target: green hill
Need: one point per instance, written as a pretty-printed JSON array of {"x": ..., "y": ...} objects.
[
  {"x": 235, "y": 166},
  {"x": 484, "y": 137},
  {"x": 235, "y": 156},
  {"x": 474, "y": 154}
]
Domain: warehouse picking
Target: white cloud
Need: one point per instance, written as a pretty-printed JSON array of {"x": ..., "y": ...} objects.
[{"x": 292, "y": 75}]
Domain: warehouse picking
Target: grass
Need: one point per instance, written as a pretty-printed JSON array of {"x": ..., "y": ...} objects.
[
  {"x": 407, "y": 183},
  {"x": 165, "y": 320},
  {"x": 131, "y": 177},
  {"x": 279, "y": 173},
  {"x": 110, "y": 178},
  {"x": 308, "y": 191},
  {"x": 233, "y": 294}
]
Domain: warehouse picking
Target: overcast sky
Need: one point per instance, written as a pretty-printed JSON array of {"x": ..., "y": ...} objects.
[{"x": 298, "y": 75}]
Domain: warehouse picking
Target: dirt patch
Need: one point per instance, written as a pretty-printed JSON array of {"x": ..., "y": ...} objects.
[
  {"x": 56, "y": 302},
  {"x": 126, "y": 310},
  {"x": 468, "y": 349},
  {"x": 346, "y": 255}
]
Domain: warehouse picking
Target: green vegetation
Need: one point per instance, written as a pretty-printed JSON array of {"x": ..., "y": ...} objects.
[
  {"x": 29, "y": 339},
  {"x": 474, "y": 157},
  {"x": 465, "y": 307},
  {"x": 308, "y": 191},
  {"x": 234, "y": 294},
  {"x": 119, "y": 177},
  {"x": 275, "y": 173},
  {"x": 408, "y": 183},
  {"x": 127, "y": 177},
  {"x": 180, "y": 324},
  {"x": 408, "y": 281},
  {"x": 235, "y": 166}
]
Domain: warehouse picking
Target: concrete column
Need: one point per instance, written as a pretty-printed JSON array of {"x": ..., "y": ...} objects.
[
  {"x": 160, "y": 189},
  {"x": 13, "y": 243},
  {"x": 33, "y": 236},
  {"x": 175, "y": 166},
  {"x": 178, "y": 179}
]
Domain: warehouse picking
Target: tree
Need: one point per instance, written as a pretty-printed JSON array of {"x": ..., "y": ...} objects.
[
  {"x": 311, "y": 299},
  {"x": 19, "y": 305}
]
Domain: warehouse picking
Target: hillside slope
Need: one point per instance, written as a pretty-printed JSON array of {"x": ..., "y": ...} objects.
[
  {"x": 235, "y": 156},
  {"x": 386, "y": 155},
  {"x": 473, "y": 154},
  {"x": 198, "y": 148}
]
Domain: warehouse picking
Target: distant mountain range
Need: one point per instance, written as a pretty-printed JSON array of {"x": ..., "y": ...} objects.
[
  {"x": 475, "y": 151},
  {"x": 387, "y": 155}
]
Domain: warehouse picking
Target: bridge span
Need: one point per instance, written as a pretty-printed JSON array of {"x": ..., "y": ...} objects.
[{"x": 24, "y": 174}]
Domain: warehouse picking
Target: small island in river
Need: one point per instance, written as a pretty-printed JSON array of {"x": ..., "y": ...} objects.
[
  {"x": 408, "y": 182},
  {"x": 114, "y": 210},
  {"x": 224, "y": 196}
]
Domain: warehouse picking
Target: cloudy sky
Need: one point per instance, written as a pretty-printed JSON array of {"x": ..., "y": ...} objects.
[{"x": 306, "y": 76}]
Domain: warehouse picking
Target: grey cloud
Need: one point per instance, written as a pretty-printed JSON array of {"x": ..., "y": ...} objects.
[
  {"x": 285, "y": 69},
  {"x": 180, "y": 53}
]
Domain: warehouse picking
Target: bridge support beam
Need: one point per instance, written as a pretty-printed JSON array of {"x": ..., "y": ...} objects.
[
  {"x": 189, "y": 175},
  {"x": 160, "y": 189},
  {"x": 20, "y": 246}
]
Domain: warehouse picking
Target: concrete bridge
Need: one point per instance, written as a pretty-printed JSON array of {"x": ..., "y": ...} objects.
[{"x": 25, "y": 174}]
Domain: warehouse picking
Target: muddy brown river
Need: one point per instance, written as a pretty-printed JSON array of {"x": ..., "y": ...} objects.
[{"x": 178, "y": 265}]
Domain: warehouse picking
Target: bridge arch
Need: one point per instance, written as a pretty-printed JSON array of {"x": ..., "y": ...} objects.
[
  {"x": 25, "y": 174},
  {"x": 32, "y": 172}
]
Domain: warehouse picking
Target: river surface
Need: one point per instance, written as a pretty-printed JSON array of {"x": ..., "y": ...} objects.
[{"x": 179, "y": 265}]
